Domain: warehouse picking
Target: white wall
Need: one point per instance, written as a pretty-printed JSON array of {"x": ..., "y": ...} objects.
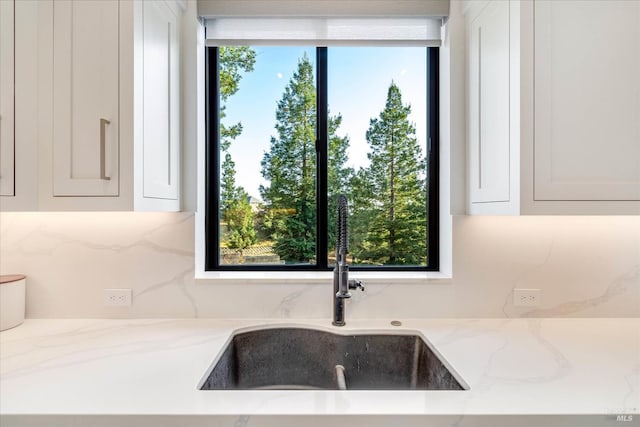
[{"x": 585, "y": 266}]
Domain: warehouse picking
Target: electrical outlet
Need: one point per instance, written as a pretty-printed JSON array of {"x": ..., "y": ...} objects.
[
  {"x": 526, "y": 297},
  {"x": 117, "y": 297}
]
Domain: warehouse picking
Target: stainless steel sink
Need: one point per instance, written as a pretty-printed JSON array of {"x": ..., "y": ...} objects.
[{"x": 308, "y": 359}]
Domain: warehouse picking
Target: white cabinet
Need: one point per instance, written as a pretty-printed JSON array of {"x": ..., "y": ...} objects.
[
  {"x": 157, "y": 101},
  {"x": 488, "y": 104},
  {"x": 100, "y": 88},
  {"x": 85, "y": 98},
  {"x": 587, "y": 100},
  {"x": 566, "y": 137},
  {"x": 18, "y": 107},
  {"x": 7, "y": 139}
]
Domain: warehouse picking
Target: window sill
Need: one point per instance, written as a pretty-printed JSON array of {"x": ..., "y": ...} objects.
[{"x": 371, "y": 277}]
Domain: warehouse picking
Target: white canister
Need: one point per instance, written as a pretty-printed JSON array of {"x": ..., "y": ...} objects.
[{"x": 12, "y": 296}]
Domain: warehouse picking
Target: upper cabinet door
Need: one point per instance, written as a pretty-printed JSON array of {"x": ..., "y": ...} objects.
[
  {"x": 160, "y": 108},
  {"x": 488, "y": 104},
  {"x": 85, "y": 98},
  {"x": 7, "y": 140},
  {"x": 587, "y": 100}
]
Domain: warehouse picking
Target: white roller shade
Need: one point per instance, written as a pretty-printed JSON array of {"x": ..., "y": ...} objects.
[
  {"x": 323, "y": 8},
  {"x": 323, "y": 31},
  {"x": 323, "y": 22}
]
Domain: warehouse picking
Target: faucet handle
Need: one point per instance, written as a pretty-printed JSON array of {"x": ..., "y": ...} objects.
[{"x": 356, "y": 284}]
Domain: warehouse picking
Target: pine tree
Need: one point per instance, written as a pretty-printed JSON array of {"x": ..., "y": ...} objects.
[
  {"x": 234, "y": 206},
  {"x": 290, "y": 169},
  {"x": 241, "y": 232},
  {"x": 389, "y": 214},
  {"x": 228, "y": 190},
  {"x": 233, "y": 60}
]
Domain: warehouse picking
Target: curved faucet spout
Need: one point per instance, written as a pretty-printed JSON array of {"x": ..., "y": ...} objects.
[
  {"x": 342, "y": 238},
  {"x": 341, "y": 282}
]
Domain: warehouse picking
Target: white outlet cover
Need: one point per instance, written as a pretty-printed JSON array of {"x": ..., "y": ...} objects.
[
  {"x": 526, "y": 297},
  {"x": 117, "y": 297}
]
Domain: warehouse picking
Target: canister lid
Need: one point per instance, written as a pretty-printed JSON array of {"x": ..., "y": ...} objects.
[{"x": 11, "y": 278}]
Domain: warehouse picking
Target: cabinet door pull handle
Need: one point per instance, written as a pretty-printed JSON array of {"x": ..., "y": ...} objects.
[{"x": 103, "y": 125}]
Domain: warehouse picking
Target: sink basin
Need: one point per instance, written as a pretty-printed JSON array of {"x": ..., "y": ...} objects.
[{"x": 310, "y": 359}]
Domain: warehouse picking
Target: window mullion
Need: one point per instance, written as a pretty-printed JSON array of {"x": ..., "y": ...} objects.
[
  {"x": 433, "y": 153},
  {"x": 322, "y": 111}
]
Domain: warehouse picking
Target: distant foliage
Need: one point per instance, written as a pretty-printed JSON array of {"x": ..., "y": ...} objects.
[
  {"x": 388, "y": 198},
  {"x": 241, "y": 228},
  {"x": 234, "y": 205}
]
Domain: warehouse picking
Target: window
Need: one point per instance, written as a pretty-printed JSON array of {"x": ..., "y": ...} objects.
[{"x": 289, "y": 128}]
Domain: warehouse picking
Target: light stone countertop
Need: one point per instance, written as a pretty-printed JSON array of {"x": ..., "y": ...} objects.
[{"x": 109, "y": 372}]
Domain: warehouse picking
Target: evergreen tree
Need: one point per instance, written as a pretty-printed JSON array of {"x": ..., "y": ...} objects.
[
  {"x": 228, "y": 190},
  {"x": 389, "y": 213},
  {"x": 233, "y": 61},
  {"x": 241, "y": 232},
  {"x": 360, "y": 215},
  {"x": 234, "y": 206},
  {"x": 290, "y": 168}
]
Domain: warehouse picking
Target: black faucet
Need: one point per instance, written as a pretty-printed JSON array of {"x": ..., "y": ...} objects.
[{"x": 341, "y": 282}]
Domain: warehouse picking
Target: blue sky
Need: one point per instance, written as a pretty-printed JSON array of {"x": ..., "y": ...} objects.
[{"x": 358, "y": 82}]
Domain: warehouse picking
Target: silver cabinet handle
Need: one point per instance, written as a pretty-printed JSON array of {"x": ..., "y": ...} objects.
[{"x": 103, "y": 125}]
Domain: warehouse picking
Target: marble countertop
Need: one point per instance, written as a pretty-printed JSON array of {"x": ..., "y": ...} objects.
[{"x": 152, "y": 367}]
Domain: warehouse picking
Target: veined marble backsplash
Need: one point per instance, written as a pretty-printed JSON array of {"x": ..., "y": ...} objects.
[{"x": 585, "y": 266}]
